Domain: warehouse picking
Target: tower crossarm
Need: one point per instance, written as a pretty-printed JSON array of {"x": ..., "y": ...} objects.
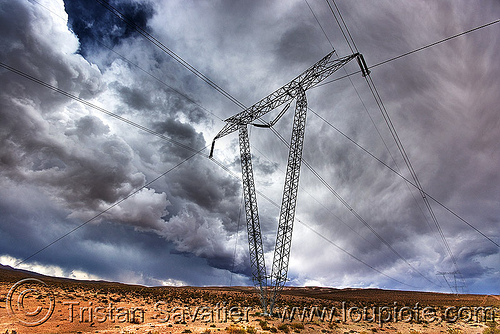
[{"x": 308, "y": 79}]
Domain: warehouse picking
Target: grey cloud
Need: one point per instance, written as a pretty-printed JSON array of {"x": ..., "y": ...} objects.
[
  {"x": 135, "y": 98},
  {"x": 296, "y": 44},
  {"x": 88, "y": 126}
]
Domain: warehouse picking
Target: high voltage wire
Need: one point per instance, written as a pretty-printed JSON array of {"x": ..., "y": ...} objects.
[
  {"x": 397, "y": 140},
  {"x": 323, "y": 30},
  {"x": 96, "y": 107},
  {"x": 391, "y": 127},
  {"x": 380, "y": 135},
  {"x": 362, "y": 102},
  {"x": 313, "y": 230},
  {"x": 110, "y": 207},
  {"x": 384, "y": 62},
  {"x": 413, "y": 51},
  {"x": 162, "y": 82},
  {"x": 435, "y": 43},
  {"x": 196, "y": 152},
  {"x": 403, "y": 177},
  {"x": 171, "y": 53},
  {"x": 143, "y": 70}
]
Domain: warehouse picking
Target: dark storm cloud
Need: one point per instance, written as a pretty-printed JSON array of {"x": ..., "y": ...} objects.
[
  {"x": 135, "y": 98},
  {"x": 94, "y": 24},
  {"x": 194, "y": 185},
  {"x": 179, "y": 130}
]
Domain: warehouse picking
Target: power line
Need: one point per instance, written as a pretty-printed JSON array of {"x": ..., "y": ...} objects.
[
  {"x": 109, "y": 208},
  {"x": 141, "y": 127},
  {"x": 404, "y": 178},
  {"x": 93, "y": 106},
  {"x": 399, "y": 144},
  {"x": 175, "y": 90},
  {"x": 366, "y": 109},
  {"x": 171, "y": 53},
  {"x": 413, "y": 51},
  {"x": 178, "y": 92},
  {"x": 436, "y": 43},
  {"x": 341, "y": 29},
  {"x": 323, "y": 30},
  {"x": 313, "y": 230},
  {"x": 210, "y": 80}
]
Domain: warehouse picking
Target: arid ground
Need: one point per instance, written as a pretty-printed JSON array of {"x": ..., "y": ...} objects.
[{"x": 33, "y": 303}]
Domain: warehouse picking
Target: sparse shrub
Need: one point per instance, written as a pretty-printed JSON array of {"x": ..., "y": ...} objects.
[
  {"x": 251, "y": 330},
  {"x": 263, "y": 324},
  {"x": 332, "y": 325},
  {"x": 235, "y": 330},
  {"x": 284, "y": 328},
  {"x": 454, "y": 331},
  {"x": 297, "y": 325}
]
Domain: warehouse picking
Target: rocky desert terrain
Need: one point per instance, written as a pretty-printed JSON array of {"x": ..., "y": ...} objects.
[{"x": 33, "y": 303}]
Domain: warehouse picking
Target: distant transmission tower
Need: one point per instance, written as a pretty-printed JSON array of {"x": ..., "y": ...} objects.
[
  {"x": 295, "y": 89},
  {"x": 456, "y": 286}
]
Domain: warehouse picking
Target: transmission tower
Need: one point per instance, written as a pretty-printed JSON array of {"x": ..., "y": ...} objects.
[
  {"x": 456, "y": 285},
  {"x": 294, "y": 90}
]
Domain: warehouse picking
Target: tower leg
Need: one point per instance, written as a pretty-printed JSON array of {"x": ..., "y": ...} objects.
[
  {"x": 287, "y": 213},
  {"x": 252, "y": 217}
]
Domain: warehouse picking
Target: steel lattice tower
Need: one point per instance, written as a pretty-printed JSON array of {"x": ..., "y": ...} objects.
[{"x": 295, "y": 89}]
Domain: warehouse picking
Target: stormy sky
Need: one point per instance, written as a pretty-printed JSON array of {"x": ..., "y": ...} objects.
[{"x": 64, "y": 162}]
